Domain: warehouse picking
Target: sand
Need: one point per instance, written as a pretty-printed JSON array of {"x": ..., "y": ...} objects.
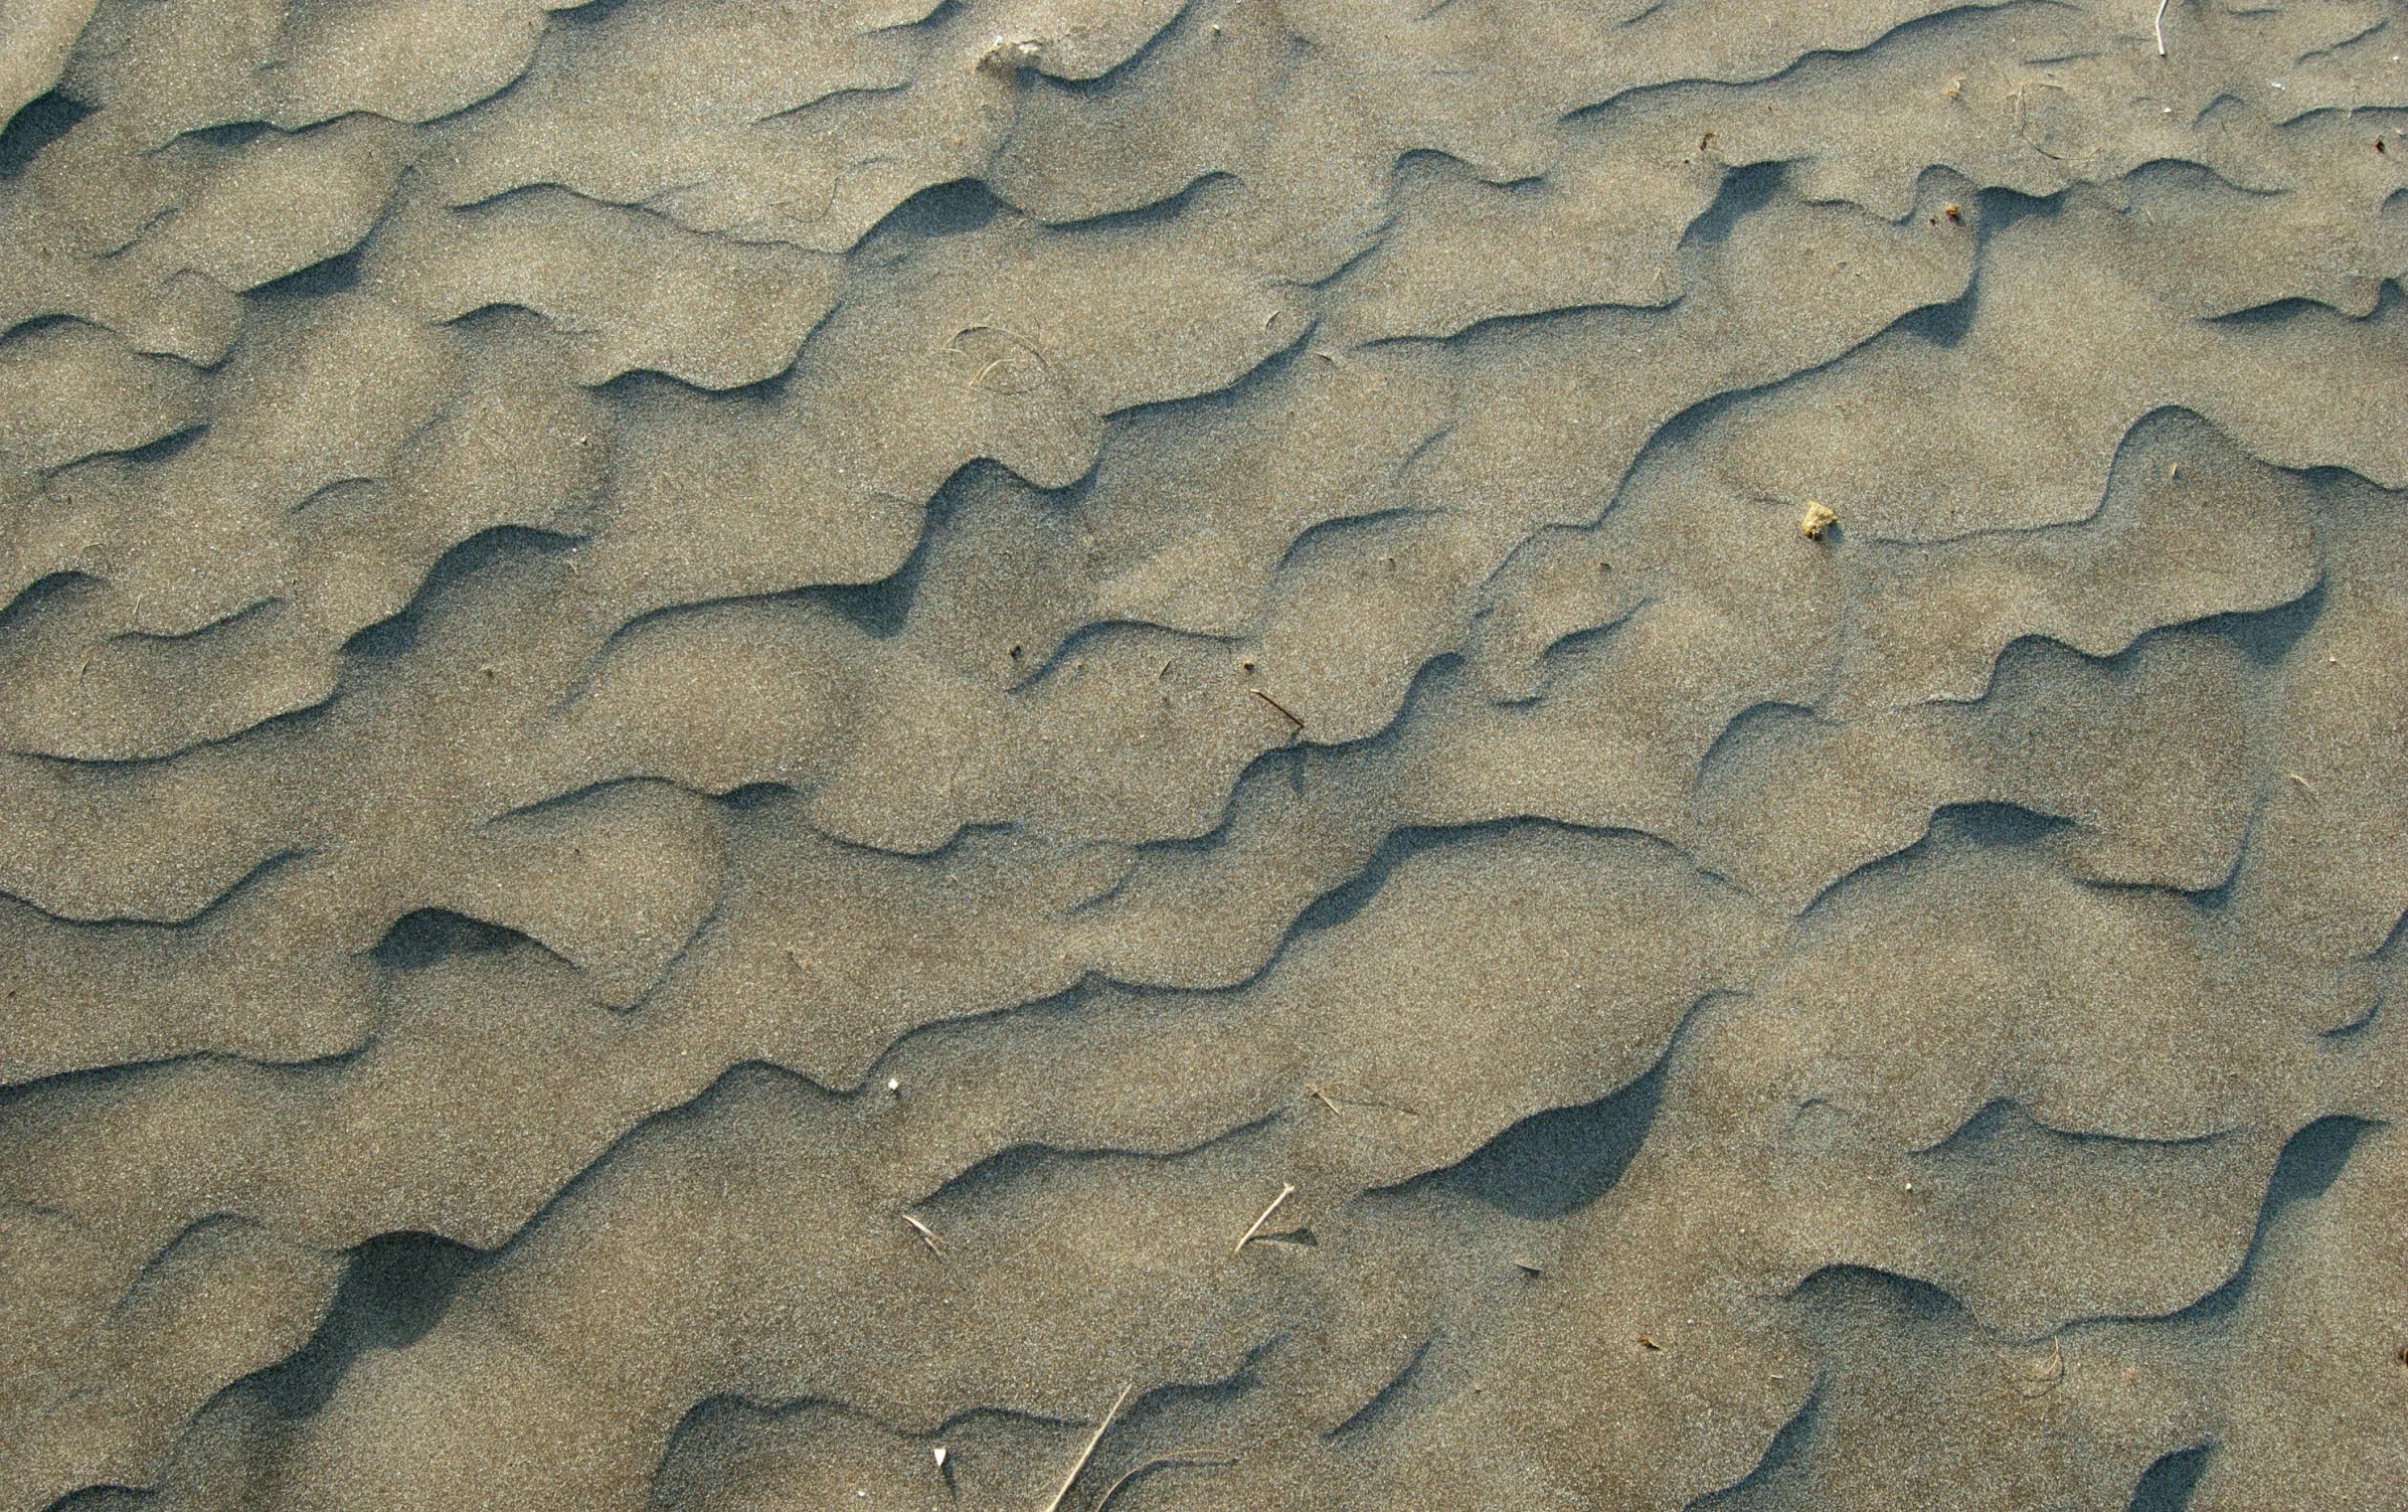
[{"x": 1250, "y": 754}]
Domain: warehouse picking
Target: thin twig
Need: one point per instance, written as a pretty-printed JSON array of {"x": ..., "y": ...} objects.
[
  {"x": 1089, "y": 1453},
  {"x": 1394, "y": 1107},
  {"x": 1285, "y": 1188},
  {"x": 1326, "y": 1101},
  {"x": 1284, "y": 712},
  {"x": 928, "y": 1235},
  {"x": 2040, "y": 1382},
  {"x": 2025, "y": 136},
  {"x": 1183, "y": 1457},
  {"x": 2162, "y": 4}
]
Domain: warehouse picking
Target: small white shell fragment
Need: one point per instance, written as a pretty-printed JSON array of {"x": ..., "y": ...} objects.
[{"x": 937, "y": 1454}]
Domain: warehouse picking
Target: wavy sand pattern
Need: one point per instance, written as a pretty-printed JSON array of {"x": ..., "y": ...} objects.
[{"x": 725, "y": 724}]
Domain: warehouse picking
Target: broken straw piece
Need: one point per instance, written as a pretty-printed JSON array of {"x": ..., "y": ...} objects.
[
  {"x": 1089, "y": 1453},
  {"x": 1285, "y": 1188}
]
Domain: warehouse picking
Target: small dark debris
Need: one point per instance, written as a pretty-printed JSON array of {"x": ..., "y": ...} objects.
[{"x": 1284, "y": 712}]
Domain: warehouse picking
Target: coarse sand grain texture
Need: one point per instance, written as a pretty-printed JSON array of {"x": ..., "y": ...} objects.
[{"x": 1203, "y": 755}]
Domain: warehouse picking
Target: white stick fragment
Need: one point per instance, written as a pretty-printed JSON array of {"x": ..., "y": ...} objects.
[
  {"x": 1089, "y": 1453},
  {"x": 1285, "y": 1190},
  {"x": 2162, "y": 4},
  {"x": 928, "y": 1235}
]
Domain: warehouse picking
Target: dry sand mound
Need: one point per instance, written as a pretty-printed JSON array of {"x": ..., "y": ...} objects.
[{"x": 1247, "y": 753}]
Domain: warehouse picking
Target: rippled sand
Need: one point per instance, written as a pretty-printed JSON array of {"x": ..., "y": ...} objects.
[{"x": 1246, "y": 755}]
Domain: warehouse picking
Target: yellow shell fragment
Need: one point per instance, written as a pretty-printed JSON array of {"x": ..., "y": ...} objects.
[{"x": 1817, "y": 520}]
